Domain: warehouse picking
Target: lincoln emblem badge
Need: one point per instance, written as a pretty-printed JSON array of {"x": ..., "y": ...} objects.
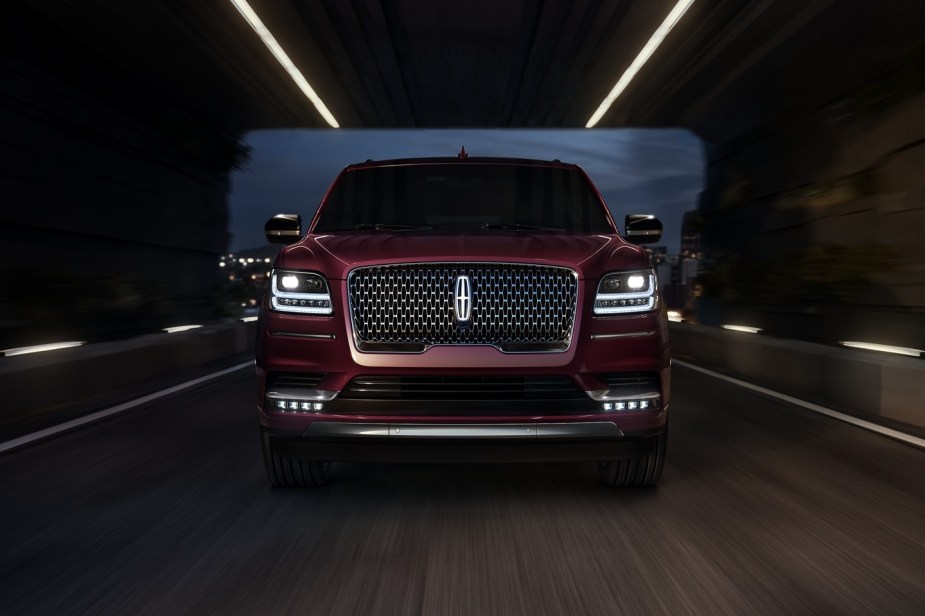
[{"x": 462, "y": 300}]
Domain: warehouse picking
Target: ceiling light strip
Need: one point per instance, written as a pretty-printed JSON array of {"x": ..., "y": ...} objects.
[
  {"x": 270, "y": 41},
  {"x": 673, "y": 18}
]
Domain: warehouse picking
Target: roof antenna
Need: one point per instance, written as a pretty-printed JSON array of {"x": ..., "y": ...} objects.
[{"x": 462, "y": 153}]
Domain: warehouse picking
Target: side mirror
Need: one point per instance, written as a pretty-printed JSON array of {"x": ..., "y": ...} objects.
[
  {"x": 284, "y": 229},
  {"x": 642, "y": 229}
]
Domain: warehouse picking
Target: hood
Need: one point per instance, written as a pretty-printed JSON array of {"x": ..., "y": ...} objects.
[{"x": 337, "y": 254}]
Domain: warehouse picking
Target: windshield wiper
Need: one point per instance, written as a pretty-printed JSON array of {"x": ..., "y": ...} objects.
[{"x": 517, "y": 227}]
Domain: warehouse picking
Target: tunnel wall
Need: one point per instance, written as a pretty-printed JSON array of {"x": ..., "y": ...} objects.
[
  {"x": 48, "y": 388},
  {"x": 813, "y": 228},
  {"x": 112, "y": 220},
  {"x": 884, "y": 389}
]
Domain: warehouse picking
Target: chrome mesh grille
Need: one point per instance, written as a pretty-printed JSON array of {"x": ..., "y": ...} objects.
[{"x": 515, "y": 307}]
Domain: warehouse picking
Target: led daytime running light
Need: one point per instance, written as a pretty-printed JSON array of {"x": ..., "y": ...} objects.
[
  {"x": 634, "y": 404},
  {"x": 290, "y": 405}
]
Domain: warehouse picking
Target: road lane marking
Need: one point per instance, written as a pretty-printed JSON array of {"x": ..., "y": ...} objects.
[
  {"x": 867, "y": 425},
  {"x": 27, "y": 439}
]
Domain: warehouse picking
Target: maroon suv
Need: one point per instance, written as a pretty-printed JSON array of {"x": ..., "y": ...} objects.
[{"x": 458, "y": 309}]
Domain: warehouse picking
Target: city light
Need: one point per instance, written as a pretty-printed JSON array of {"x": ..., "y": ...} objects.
[{"x": 673, "y": 18}]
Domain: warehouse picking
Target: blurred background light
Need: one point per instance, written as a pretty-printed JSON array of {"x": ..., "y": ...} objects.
[
  {"x": 39, "y": 348},
  {"x": 883, "y": 348},
  {"x": 180, "y": 328},
  {"x": 742, "y": 328}
]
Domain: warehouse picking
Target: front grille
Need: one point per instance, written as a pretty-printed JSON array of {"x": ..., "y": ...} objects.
[
  {"x": 463, "y": 388},
  {"x": 515, "y": 307}
]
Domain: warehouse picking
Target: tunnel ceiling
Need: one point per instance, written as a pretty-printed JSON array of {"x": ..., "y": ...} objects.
[{"x": 725, "y": 69}]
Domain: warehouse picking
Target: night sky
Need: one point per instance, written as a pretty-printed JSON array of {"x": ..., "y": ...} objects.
[{"x": 639, "y": 171}]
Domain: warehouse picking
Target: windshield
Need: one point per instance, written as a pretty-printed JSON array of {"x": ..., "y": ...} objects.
[{"x": 463, "y": 196}]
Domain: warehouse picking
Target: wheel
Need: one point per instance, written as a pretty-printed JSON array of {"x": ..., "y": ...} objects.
[
  {"x": 636, "y": 472},
  {"x": 289, "y": 472}
]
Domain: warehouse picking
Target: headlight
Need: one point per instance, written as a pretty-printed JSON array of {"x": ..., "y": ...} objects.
[
  {"x": 623, "y": 292},
  {"x": 303, "y": 292}
]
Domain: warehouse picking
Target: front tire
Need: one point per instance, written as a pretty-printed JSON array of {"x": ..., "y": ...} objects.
[
  {"x": 289, "y": 472},
  {"x": 636, "y": 472}
]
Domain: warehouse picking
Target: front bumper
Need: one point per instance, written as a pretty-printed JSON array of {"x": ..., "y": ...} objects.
[
  {"x": 462, "y": 442},
  {"x": 323, "y": 347}
]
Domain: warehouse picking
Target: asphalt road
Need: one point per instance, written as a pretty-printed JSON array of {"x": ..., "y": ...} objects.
[{"x": 763, "y": 509}]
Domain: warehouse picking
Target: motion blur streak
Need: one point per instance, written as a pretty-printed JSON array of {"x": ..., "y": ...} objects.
[
  {"x": 742, "y": 328},
  {"x": 763, "y": 508},
  {"x": 657, "y": 37},
  {"x": 41, "y": 348},
  {"x": 283, "y": 58},
  {"x": 883, "y": 348}
]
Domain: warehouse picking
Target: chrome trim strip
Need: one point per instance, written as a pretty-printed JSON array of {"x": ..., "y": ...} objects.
[
  {"x": 410, "y": 348},
  {"x": 527, "y": 431},
  {"x": 297, "y": 335},
  {"x": 642, "y": 233},
  {"x": 336, "y": 428},
  {"x": 605, "y": 395},
  {"x": 295, "y": 393},
  {"x": 627, "y": 335},
  {"x": 463, "y": 430},
  {"x": 572, "y": 430}
]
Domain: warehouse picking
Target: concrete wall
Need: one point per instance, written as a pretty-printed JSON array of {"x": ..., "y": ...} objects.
[
  {"x": 43, "y": 388},
  {"x": 875, "y": 386}
]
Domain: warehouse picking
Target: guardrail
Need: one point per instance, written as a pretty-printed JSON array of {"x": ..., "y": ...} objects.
[
  {"x": 861, "y": 383},
  {"x": 39, "y": 386}
]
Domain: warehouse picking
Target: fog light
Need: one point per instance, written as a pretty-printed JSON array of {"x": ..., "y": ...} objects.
[
  {"x": 638, "y": 403},
  {"x": 298, "y": 406}
]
